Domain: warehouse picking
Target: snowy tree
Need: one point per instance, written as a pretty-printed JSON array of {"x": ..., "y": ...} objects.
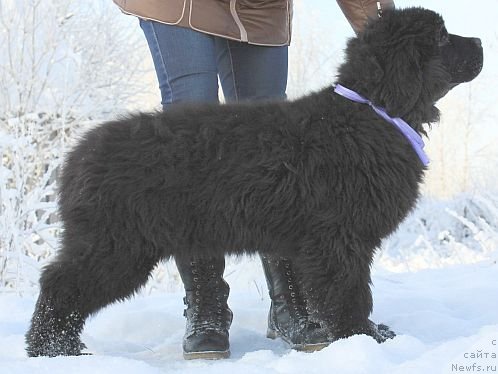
[
  {"x": 314, "y": 53},
  {"x": 462, "y": 147},
  {"x": 63, "y": 66}
]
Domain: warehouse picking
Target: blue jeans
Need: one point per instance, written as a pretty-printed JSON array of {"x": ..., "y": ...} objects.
[{"x": 188, "y": 64}]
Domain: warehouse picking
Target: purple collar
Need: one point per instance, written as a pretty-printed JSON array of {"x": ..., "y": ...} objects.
[{"x": 409, "y": 133}]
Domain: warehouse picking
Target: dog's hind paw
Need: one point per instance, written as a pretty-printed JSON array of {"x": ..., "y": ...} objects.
[{"x": 380, "y": 332}]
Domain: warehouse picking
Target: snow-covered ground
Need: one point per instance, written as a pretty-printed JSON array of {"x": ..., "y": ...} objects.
[
  {"x": 435, "y": 283},
  {"x": 446, "y": 320}
]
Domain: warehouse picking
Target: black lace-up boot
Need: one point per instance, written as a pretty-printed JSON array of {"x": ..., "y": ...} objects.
[
  {"x": 208, "y": 315},
  {"x": 288, "y": 318}
]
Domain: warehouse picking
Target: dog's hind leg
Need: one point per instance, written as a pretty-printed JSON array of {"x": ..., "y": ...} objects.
[{"x": 84, "y": 278}]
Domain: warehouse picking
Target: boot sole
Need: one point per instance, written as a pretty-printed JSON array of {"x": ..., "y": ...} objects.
[
  {"x": 206, "y": 355},
  {"x": 272, "y": 334}
]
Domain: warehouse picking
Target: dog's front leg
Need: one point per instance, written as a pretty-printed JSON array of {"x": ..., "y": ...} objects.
[{"x": 336, "y": 280}]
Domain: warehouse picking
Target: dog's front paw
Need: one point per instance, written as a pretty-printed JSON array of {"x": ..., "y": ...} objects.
[{"x": 379, "y": 332}]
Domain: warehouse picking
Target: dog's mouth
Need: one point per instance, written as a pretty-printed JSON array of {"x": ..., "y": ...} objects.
[{"x": 463, "y": 58}]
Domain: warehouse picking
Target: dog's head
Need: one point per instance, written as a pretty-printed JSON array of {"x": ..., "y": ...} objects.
[{"x": 406, "y": 61}]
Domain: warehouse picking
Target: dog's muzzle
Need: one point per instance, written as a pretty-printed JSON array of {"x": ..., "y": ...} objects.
[{"x": 463, "y": 58}]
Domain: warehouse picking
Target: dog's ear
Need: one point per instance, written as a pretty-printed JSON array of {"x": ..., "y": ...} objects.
[
  {"x": 401, "y": 85},
  {"x": 361, "y": 72}
]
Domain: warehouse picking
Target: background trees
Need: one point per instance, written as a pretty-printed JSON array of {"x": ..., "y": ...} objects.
[{"x": 63, "y": 66}]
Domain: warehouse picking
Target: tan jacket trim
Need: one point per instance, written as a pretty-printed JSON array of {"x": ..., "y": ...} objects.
[
  {"x": 233, "y": 11},
  {"x": 149, "y": 18}
]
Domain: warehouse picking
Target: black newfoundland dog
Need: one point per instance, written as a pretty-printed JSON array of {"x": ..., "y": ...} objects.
[{"x": 320, "y": 180}]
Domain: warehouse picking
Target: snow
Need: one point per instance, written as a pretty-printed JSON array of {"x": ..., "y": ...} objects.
[{"x": 443, "y": 317}]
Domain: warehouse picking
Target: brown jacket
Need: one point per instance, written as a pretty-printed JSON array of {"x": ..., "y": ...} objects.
[{"x": 262, "y": 22}]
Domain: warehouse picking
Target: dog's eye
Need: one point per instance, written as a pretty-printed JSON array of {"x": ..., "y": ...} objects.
[{"x": 444, "y": 37}]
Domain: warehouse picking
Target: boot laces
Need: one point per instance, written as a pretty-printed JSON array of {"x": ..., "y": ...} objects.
[
  {"x": 297, "y": 303},
  {"x": 210, "y": 310}
]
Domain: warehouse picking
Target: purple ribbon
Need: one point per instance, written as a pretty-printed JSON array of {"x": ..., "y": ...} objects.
[{"x": 409, "y": 133}]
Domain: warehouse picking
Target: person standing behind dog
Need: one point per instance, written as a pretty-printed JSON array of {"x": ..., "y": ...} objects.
[{"x": 244, "y": 43}]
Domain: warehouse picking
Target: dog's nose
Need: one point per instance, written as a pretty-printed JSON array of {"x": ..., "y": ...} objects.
[{"x": 477, "y": 41}]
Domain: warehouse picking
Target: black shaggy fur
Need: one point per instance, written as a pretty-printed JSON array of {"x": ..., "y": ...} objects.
[{"x": 320, "y": 180}]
